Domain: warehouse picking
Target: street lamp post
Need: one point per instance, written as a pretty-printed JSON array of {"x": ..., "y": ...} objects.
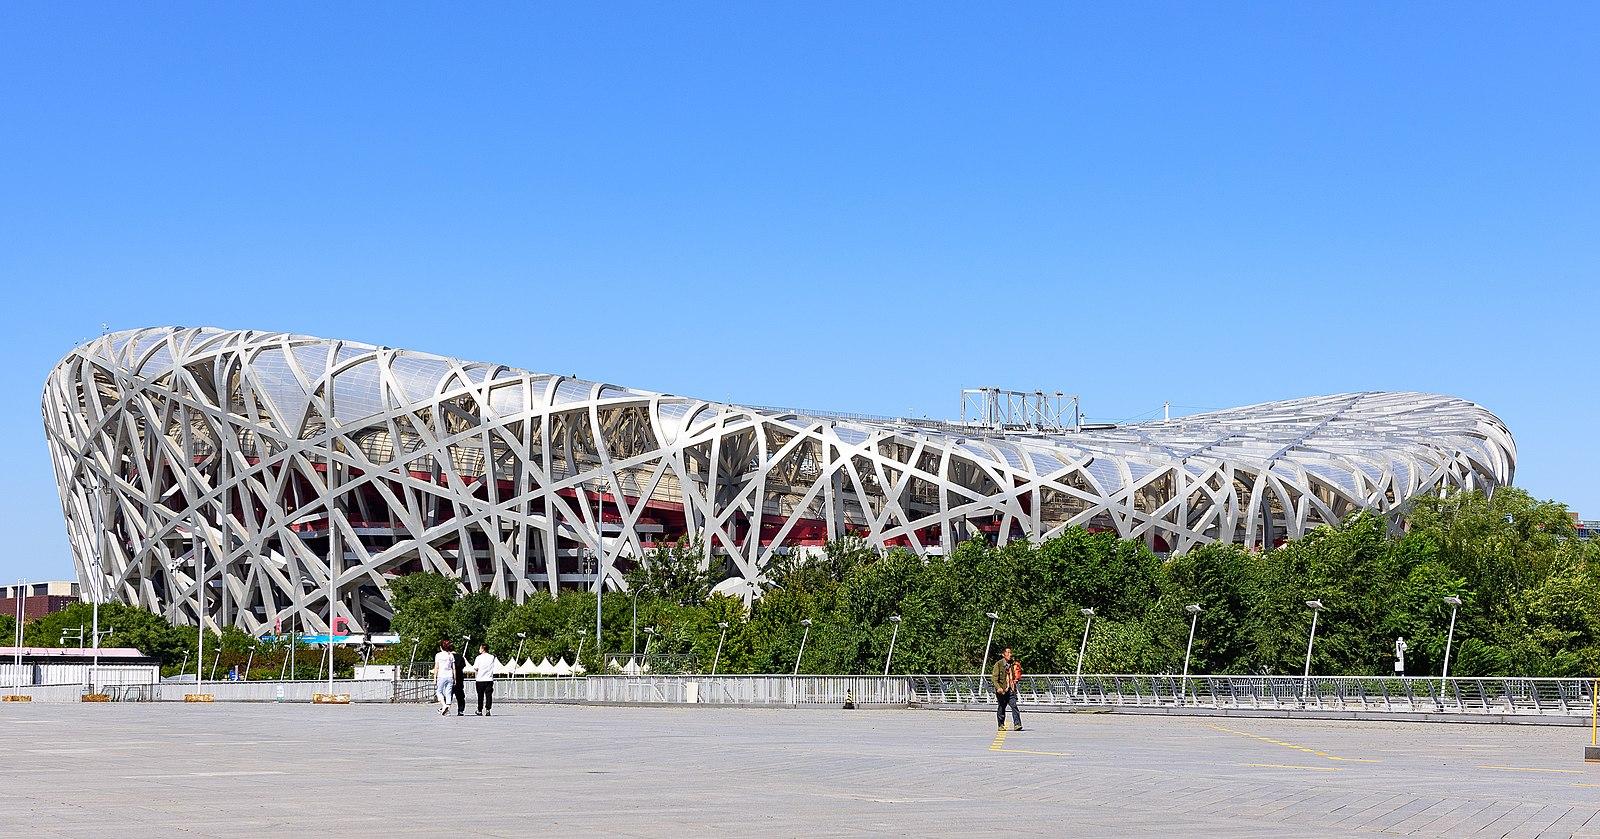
[
  {"x": 993, "y": 617},
  {"x": 16, "y": 678},
  {"x": 1305, "y": 681},
  {"x": 893, "y": 636},
  {"x": 807, "y": 634},
  {"x": 411, "y": 666},
  {"x": 1083, "y": 647},
  {"x": 720, "y": 638},
  {"x": 522, "y": 638},
  {"x": 250, "y": 659},
  {"x": 1194, "y": 611},
  {"x": 649, "y": 636},
  {"x": 1454, "y": 603}
]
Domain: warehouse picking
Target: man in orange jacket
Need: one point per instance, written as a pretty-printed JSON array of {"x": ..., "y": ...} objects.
[{"x": 1007, "y": 673}]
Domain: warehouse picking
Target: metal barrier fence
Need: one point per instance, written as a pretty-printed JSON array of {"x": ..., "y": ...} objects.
[
  {"x": 750, "y": 690},
  {"x": 1414, "y": 695},
  {"x": 287, "y": 691},
  {"x": 1418, "y": 694}
]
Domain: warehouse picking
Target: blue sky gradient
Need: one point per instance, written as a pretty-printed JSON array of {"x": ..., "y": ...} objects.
[{"x": 856, "y": 206}]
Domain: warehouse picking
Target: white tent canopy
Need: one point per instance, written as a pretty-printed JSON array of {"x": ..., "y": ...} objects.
[
  {"x": 544, "y": 668},
  {"x": 528, "y": 668},
  {"x": 563, "y": 668}
]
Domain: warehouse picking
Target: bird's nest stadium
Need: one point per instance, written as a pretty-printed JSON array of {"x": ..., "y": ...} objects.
[{"x": 251, "y": 466}]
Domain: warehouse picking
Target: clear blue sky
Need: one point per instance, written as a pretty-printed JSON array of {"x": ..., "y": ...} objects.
[{"x": 860, "y": 207}]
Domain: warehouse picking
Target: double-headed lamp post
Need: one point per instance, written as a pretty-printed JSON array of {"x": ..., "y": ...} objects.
[
  {"x": 1194, "y": 611},
  {"x": 1455, "y": 603},
  {"x": 893, "y": 636},
  {"x": 807, "y": 634},
  {"x": 723, "y": 625},
  {"x": 994, "y": 617},
  {"x": 1316, "y": 609},
  {"x": 1088, "y": 620}
]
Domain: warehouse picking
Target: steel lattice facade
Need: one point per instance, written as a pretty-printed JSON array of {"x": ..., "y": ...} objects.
[{"x": 239, "y": 463}]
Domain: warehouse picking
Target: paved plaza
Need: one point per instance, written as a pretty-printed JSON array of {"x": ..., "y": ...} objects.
[{"x": 240, "y": 770}]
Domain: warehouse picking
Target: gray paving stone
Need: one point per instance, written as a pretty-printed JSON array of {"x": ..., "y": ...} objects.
[{"x": 380, "y": 770}]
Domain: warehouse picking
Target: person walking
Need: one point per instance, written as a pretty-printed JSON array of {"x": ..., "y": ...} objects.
[
  {"x": 1007, "y": 673},
  {"x": 461, "y": 683},
  {"x": 485, "y": 664},
  {"x": 444, "y": 675}
]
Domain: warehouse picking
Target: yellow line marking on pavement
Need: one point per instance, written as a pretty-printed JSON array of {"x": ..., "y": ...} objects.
[
  {"x": 999, "y": 745},
  {"x": 1530, "y": 769},
  {"x": 1292, "y": 766},
  {"x": 1295, "y": 746},
  {"x": 1585, "y": 785}
]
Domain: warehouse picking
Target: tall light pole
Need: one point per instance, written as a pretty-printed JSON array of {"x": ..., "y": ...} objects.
[
  {"x": 1305, "y": 681},
  {"x": 245, "y": 676},
  {"x": 599, "y": 586},
  {"x": 894, "y": 619},
  {"x": 994, "y": 618},
  {"x": 1455, "y": 603},
  {"x": 1194, "y": 611},
  {"x": 1083, "y": 647},
  {"x": 807, "y": 634},
  {"x": 522, "y": 638},
  {"x": 16, "y": 679},
  {"x": 720, "y": 638}
]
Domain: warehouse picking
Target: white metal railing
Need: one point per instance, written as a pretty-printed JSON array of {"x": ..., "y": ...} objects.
[
  {"x": 274, "y": 691},
  {"x": 749, "y": 690},
  {"x": 1416, "y": 694}
]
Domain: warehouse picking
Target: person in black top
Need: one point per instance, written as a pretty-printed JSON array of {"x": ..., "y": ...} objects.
[{"x": 461, "y": 684}]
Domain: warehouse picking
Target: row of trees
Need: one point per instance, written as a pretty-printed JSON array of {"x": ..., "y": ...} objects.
[
  {"x": 1530, "y": 589},
  {"x": 1531, "y": 594}
]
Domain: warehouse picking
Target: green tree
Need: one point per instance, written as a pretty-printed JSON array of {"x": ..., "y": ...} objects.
[{"x": 423, "y": 606}]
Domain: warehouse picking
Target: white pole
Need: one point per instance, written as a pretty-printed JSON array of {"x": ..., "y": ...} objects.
[
  {"x": 200, "y": 621},
  {"x": 1305, "y": 680},
  {"x": 807, "y": 634},
  {"x": 1449, "y": 640},
  {"x": 16, "y": 676},
  {"x": 1183, "y": 687},
  {"x": 984, "y": 668},
  {"x": 892, "y": 638},
  {"x": 720, "y": 638},
  {"x": 1077, "y": 682}
]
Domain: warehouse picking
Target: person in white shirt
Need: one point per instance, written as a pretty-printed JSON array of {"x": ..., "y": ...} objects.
[
  {"x": 444, "y": 675},
  {"x": 485, "y": 664}
]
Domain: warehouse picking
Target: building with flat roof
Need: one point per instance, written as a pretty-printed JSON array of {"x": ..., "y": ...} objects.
[
  {"x": 241, "y": 475},
  {"x": 38, "y": 599}
]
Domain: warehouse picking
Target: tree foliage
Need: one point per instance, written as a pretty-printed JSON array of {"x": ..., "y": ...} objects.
[{"x": 1530, "y": 592}]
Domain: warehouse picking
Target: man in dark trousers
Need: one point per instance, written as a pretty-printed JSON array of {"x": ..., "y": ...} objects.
[
  {"x": 1007, "y": 673},
  {"x": 461, "y": 684}
]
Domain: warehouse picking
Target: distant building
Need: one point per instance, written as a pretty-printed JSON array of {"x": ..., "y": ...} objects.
[{"x": 38, "y": 599}]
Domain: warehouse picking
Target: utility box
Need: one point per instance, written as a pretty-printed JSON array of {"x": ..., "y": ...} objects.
[{"x": 375, "y": 672}]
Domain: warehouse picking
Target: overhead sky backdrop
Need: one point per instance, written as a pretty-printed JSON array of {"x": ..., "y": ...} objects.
[{"x": 860, "y": 207}]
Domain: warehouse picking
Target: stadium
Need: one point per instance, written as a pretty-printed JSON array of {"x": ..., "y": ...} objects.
[{"x": 265, "y": 470}]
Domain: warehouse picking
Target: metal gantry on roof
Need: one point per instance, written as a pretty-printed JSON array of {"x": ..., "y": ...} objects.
[{"x": 254, "y": 465}]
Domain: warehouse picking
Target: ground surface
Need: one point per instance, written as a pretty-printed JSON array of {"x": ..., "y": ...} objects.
[{"x": 368, "y": 770}]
